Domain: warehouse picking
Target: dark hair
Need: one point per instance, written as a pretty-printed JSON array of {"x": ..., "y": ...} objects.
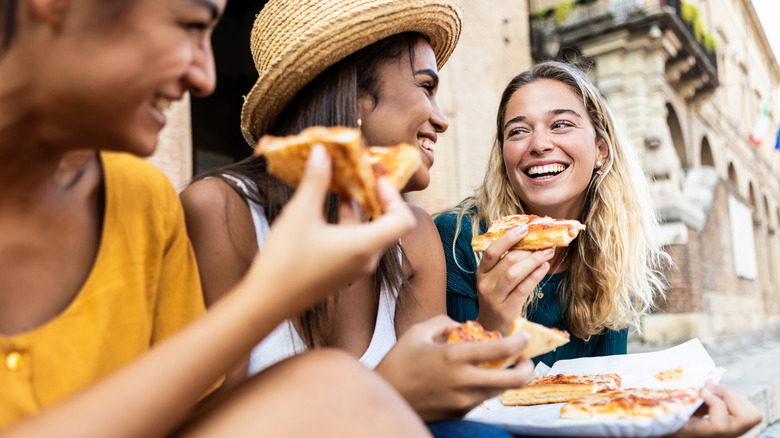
[
  {"x": 330, "y": 99},
  {"x": 7, "y": 24}
]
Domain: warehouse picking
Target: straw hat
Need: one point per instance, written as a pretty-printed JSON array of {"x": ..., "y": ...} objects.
[{"x": 293, "y": 41}]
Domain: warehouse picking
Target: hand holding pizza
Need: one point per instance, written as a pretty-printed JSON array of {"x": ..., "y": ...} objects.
[
  {"x": 729, "y": 414},
  {"x": 444, "y": 381},
  {"x": 506, "y": 277},
  {"x": 305, "y": 258}
]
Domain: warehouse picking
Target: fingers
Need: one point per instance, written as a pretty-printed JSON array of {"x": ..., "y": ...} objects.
[
  {"x": 716, "y": 408},
  {"x": 500, "y": 246},
  {"x": 728, "y": 401},
  {"x": 396, "y": 220},
  {"x": 316, "y": 179},
  {"x": 435, "y": 328},
  {"x": 489, "y": 351}
]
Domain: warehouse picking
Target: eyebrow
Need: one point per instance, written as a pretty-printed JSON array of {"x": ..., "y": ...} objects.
[
  {"x": 431, "y": 73},
  {"x": 553, "y": 112},
  {"x": 210, "y": 6}
]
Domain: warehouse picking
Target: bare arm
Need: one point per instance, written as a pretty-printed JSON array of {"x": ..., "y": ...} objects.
[
  {"x": 151, "y": 396},
  {"x": 426, "y": 271},
  {"x": 220, "y": 227},
  {"x": 219, "y": 224}
]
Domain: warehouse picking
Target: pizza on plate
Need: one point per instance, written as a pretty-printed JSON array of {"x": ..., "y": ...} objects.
[
  {"x": 543, "y": 232},
  {"x": 543, "y": 339},
  {"x": 355, "y": 167},
  {"x": 558, "y": 388},
  {"x": 671, "y": 375},
  {"x": 631, "y": 403}
]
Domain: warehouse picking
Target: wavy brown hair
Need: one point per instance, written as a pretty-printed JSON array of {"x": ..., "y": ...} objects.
[{"x": 617, "y": 262}]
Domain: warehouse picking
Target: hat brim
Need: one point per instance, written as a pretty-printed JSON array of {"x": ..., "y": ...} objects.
[{"x": 333, "y": 31}]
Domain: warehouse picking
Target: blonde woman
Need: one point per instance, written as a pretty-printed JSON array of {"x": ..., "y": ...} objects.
[{"x": 557, "y": 154}]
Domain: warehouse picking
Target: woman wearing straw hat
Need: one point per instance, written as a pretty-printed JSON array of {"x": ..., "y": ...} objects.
[
  {"x": 99, "y": 281},
  {"x": 371, "y": 64}
]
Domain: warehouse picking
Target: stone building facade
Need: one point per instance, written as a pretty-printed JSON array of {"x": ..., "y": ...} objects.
[{"x": 686, "y": 81}]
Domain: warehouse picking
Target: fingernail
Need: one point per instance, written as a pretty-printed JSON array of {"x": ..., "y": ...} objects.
[
  {"x": 543, "y": 266},
  {"x": 522, "y": 229},
  {"x": 548, "y": 251},
  {"x": 318, "y": 156}
]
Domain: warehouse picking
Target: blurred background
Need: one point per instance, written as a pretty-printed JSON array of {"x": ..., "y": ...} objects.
[{"x": 693, "y": 84}]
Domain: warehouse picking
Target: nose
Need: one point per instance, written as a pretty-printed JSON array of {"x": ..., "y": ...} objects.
[
  {"x": 540, "y": 141},
  {"x": 201, "y": 76},
  {"x": 438, "y": 120}
]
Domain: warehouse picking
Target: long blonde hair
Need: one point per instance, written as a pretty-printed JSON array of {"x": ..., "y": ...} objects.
[{"x": 615, "y": 270}]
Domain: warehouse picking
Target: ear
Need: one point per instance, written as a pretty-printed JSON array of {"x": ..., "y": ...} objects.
[
  {"x": 602, "y": 150},
  {"x": 51, "y": 12},
  {"x": 365, "y": 104}
]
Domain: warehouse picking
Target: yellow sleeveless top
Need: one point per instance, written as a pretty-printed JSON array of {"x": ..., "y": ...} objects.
[{"x": 143, "y": 287}]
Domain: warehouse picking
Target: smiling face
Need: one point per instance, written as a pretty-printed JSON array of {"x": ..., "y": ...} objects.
[
  {"x": 406, "y": 109},
  {"x": 108, "y": 82},
  {"x": 550, "y": 149}
]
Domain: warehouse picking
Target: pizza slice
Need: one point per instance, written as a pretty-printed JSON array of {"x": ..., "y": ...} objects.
[
  {"x": 396, "y": 163},
  {"x": 543, "y": 232},
  {"x": 631, "y": 403},
  {"x": 558, "y": 388},
  {"x": 355, "y": 167},
  {"x": 542, "y": 340}
]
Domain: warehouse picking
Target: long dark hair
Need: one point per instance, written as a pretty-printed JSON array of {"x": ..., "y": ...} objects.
[
  {"x": 7, "y": 24},
  {"x": 328, "y": 100}
]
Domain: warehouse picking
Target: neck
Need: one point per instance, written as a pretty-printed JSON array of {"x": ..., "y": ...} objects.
[{"x": 559, "y": 262}]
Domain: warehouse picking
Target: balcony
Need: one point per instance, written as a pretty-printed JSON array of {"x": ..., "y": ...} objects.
[{"x": 691, "y": 62}]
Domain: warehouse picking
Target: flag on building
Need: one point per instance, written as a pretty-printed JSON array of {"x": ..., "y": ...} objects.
[
  {"x": 777, "y": 142},
  {"x": 760, "y": 126}
]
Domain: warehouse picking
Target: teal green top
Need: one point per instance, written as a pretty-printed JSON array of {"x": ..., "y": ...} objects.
[{"x": 462, "y": 302}]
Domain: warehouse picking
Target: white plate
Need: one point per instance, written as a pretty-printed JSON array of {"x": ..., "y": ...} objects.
[
  {"x": 544, "y": 420},
  {"x": 635, "y": 370}
]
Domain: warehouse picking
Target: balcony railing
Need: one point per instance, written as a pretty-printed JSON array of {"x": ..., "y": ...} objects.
[{"x": 584, "y": 17}]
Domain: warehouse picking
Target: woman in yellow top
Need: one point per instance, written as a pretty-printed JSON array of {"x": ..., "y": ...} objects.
[{"x": 95, "y": 265}]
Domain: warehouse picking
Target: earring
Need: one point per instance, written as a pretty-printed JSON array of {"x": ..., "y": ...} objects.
[
  {"x": 599, "y": 164},
  {"x": 360, "y": 122}
]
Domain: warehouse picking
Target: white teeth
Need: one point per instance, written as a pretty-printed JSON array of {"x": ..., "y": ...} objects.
[
  {"x": 548, "y": 168},
  {"x": 427, "y": 144},
  {"x": 161, "y": 103}
]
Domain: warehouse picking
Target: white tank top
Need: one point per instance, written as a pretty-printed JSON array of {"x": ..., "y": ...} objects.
[{"x": 285, "y": 341}]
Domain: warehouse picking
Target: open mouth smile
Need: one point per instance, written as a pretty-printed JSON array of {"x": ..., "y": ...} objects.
[{"x": 546, "y": 171}]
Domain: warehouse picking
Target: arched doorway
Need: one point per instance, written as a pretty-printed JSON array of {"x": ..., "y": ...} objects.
[
  {"x": 677, "y": 135},
  {"x": 705, "y": 157},
  {"x": 733, "y": 176}
]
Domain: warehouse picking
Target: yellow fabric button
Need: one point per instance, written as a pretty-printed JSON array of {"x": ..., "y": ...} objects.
[{"x": 13, "y": 361}]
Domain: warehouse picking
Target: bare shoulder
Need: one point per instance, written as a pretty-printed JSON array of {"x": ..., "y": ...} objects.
[
  {"x": 421, "y": 238},
  {"x": 221, "y": 229}
]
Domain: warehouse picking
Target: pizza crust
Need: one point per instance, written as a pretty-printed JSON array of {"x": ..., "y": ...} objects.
[
  {"x": 559, "y": 388},
  {"x": 543, "y": 232},
  {"x": 396, "y": 163}
]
